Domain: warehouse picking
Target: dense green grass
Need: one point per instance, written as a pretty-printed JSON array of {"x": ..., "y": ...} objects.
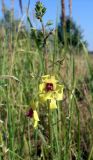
[{"x": 65, "y": 133}]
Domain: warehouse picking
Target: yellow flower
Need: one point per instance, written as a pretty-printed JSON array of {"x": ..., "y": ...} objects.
[
  {"x": 49, "y": 89},
  {"x": 33, "y": 114}
]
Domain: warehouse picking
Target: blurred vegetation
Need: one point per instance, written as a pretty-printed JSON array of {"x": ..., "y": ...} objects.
[{"x": 73, "y": 34}]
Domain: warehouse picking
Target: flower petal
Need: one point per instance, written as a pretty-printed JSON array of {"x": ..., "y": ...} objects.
[
  {"x": 35, "y": 115},
  {"x": 45, "y": 76},
  {"x": 53, "y": 104},
  {"x": 60, "y": 87},
  {"x": 59, "y": 96},
  {"x": 35, "y": 124},
  {"x": 59, "y": 92},
  {"x": 46, "y": 96},
  {"x": 36, "y": 118},
  {"x": 53, "y": 79},
  {"x": 41, "y": 87}
]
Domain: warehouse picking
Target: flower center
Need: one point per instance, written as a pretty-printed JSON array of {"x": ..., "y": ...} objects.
[
  {"x": 30, "y": 113},
  {"x": 49, "y": 87}
]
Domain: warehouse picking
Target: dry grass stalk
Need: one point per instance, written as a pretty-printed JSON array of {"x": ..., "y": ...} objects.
[
  {"x": 63, "y": 12},
  {"x": 70, "y": 8},
  {"x": 3, "y": 6}
]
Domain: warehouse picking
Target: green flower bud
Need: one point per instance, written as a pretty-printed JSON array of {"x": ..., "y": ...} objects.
[{"x": 40, "y": 10}]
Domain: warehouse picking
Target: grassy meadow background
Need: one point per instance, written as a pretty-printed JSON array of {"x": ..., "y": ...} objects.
[{"x": 65, "y": 133}]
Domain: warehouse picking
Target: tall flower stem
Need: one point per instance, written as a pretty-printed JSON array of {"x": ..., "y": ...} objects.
[
  {"x": 44, "y": 47},
  {"x": 59, "y": 129},
  {"x": 50, "y": 129}
]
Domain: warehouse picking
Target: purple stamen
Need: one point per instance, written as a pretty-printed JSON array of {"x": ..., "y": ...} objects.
[
  {"x": 30, "y": 113},
  {"x": 49, "y": 87}
]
